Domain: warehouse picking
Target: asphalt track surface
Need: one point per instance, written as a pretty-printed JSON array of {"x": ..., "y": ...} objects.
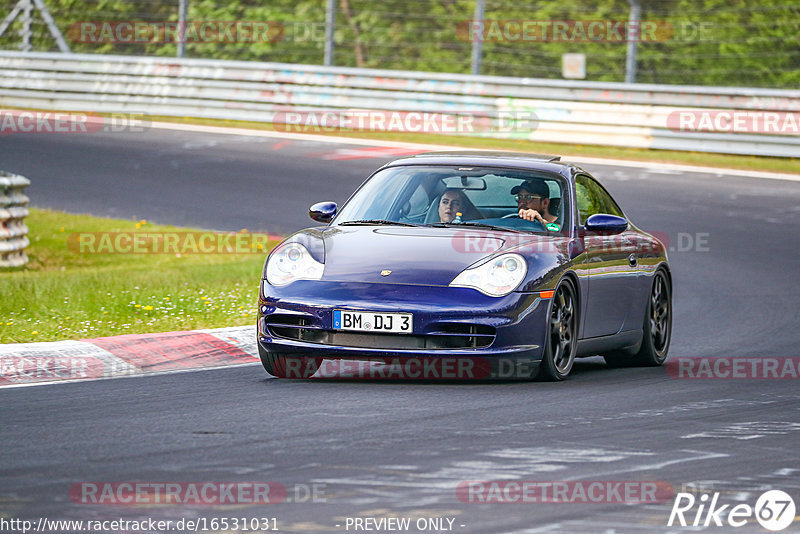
[{"x": 400, "y": 449}]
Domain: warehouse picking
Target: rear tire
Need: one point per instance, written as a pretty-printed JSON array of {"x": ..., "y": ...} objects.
[
  {"x": 281, "y": 366},
  {"x": 562, "y": 334},
  {"x": 657, "y": 329}
]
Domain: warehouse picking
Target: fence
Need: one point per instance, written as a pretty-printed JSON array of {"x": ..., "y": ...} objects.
[
  {"x": 593, "y": 113},
  {"x": 13, "y": 232},
  {"x": 692, "y": 42}
]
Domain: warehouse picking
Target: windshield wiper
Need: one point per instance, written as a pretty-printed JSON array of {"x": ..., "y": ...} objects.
[
  {"x": 478, "y": 225},
  {"x": 377, "y": 221}
]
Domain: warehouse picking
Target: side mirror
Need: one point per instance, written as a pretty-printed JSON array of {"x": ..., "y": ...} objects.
[
  {"x": 323, "y": 212},
  {"x": 603, "y": 222}
]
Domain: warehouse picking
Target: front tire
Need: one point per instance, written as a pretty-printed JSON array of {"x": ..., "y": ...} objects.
[
  {"x": 562, "y": 334},
  {"x": 657, "y": 329}
]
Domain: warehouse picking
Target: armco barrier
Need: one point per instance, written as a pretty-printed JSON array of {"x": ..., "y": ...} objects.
[
  {"x": 597, "y": 113},
  {"x": 13, "y": 232}
]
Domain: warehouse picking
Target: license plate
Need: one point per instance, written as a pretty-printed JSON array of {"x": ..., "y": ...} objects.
[{"x": 398, "y": 323}]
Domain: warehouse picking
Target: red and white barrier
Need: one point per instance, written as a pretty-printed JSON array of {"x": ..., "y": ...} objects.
[{"x": 27, "y": 364}]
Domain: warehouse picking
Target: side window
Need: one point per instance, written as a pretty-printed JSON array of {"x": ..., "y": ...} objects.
[
  {"x": 592, "y": 199},
  {"x": 418, "y": 203}
]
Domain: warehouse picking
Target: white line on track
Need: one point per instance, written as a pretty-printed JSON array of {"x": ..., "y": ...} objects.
[{"x": 648, "y": 166}]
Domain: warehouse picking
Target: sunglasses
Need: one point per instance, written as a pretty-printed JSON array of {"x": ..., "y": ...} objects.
[{"x": 528, "y": 197}]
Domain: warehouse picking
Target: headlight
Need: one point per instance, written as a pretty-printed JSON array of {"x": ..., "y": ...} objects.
[
  {"x": 291, "y": 262},
  {"x": 497, "y": 277}
]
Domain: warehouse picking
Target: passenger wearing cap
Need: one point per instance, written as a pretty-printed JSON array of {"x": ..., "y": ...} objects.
[{"x": 533, "y": 201}]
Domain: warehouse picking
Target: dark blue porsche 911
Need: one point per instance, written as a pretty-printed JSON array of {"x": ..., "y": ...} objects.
[{"x": 466, "y": 265}]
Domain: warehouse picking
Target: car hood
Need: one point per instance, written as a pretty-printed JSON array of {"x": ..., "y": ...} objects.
[{"x": 419, "y": 256}]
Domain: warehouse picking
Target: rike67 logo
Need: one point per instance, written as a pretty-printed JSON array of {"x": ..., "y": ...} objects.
[{"x": 774, "y": 510}]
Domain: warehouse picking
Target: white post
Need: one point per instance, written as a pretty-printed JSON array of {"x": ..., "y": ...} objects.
[
  {"x": 477, "y": 37},
  {"x": 25, "y": 31},
  {"x": 330, "y": 28},
  {"x": 633, "y": 40},
  {"x": 183, "y": 9}
]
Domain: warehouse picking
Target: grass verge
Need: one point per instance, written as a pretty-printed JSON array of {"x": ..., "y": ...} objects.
[{"x": 65, "y": 294}]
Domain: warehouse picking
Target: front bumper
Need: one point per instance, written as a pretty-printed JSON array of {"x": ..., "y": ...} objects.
[{"x": 503, "y": 334}]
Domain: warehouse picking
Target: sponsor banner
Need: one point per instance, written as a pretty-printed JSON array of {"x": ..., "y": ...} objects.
[
  {"x": 564, "y": 492},
  {"x": 735, "y": 368}
]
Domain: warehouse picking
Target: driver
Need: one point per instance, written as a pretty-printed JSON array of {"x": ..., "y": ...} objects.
[{"x": 533, "y": 201}]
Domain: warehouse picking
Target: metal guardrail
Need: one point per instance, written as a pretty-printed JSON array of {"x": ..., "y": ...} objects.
[
  {"x": 612, "y": 114},
  {"x": 13, "y": 232}
]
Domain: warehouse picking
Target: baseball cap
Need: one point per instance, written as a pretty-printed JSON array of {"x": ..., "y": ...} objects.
[{"x": 537, "y": 187}]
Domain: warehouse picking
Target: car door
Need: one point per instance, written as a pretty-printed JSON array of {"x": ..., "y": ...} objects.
[{"x": 610, "y": 262}]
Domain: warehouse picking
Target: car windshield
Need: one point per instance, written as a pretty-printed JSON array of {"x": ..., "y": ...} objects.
[{"x": 435, "y": 195}]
